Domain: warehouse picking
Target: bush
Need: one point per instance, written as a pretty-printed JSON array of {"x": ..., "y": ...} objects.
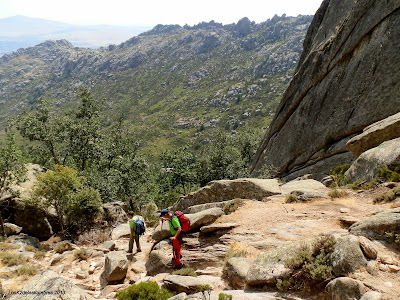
[
  {"x": 337, "y": 194},
  {"x": 393, "y": 238},
  {"x": 27, "y": 270},
  {"x": 30, "y": 248},
  {"x": 232, "y": 206},
  {"x": 388, "y": 196},
  {"x": 185, "y": 272},
  {"x": 311, "y": 266},
  {"x": 385, "y": 174},
  {"x": 223, "y": 296},
  {"x": 150, "y": 215},
  {"x": 338, "y": 175},
  {"x": 61, "y": 247},
  {"x": 84, "y": 206},
  {"x": 6, "y": 246},
  {"x": 144, "y": 291},
  {"x": 363, "y": 185},
  {"x": 39, "y": 254},
  {"x": 81, "y": 254},
  {"x": 291, "y": 198},
  {"x": 12, "y": 259}
]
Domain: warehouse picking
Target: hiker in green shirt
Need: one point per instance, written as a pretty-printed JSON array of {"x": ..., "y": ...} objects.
[
  {"x": 134, "y": 235},
  {"x": 176, "y": 229}
]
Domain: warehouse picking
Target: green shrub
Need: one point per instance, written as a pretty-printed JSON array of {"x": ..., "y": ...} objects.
[
  {"x": 185, "y": 272},
  {"x": 27, "y": 270},
  {"x": 363, "y": 184},
  {"x": 393, "y": 238},
  {"x": 388, "y": 196},
  {"x": 81, "y": 254},
  {"x": 84, "y": 206},
  {"x": 206, "y": 290},
  {"x": 12, "y": 259},
  {"x": 150, "y": 215},
  {"x": 291, "y": 198},
  {"x": 144, "y": 291},
  {"x": 232, "y": 206},
  {"x": 338, "y": 175},
  {"x": 337, "y": 194},
  {"x": 223, "y": 296},
  {"x": 311, "y": 266},
  {"x": 386, "y": 174},
  {"x": 61, "y": 247}
]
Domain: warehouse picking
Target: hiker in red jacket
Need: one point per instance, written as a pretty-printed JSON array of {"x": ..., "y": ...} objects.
[{"x": 176, "y": 229}]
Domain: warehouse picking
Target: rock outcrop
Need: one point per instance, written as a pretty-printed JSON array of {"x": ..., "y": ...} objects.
[
  {"x": 377, "y": 226},
  {"x": 222, "y": 190},
  {"x": 375, "y": 134},
  {"x": 367, "y": 164},
  {"x": 346, "y": 80}
]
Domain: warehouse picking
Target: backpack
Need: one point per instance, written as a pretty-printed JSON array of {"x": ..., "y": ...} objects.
[
  {"x": 185, "y": 222},
  {"x": 140, "y": 227}
]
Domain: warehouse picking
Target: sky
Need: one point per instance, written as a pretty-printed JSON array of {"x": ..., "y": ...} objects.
[{"x": 153, "y": 12}]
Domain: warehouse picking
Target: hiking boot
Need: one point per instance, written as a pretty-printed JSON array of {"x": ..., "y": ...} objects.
[
  {"x": 178, "y": 267},
  {"x": 138, "y": 250}
]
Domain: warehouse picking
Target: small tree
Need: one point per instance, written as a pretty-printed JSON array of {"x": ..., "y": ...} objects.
[
  {"x": 180, "y": 168},
  {"x": 63, "y": 189},
  {"x": 46, "y": 128},
  {"x": 12, "y": 169}
]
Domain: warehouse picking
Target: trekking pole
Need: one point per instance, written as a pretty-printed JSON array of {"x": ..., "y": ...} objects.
[{"x": 285, "y": 208}]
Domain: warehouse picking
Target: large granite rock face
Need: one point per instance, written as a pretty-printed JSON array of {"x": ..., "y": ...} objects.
[
  {"x": 222, "y": 190},
  {"x": 375, "y": 134},
  {"x": 367, "y": 164},
  {"x": 346, "y": 79}
]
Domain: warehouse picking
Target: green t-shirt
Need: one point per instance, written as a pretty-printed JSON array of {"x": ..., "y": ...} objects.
[
  {"x": 174, "y": 223},
  {"x": 132, "y": 223}
]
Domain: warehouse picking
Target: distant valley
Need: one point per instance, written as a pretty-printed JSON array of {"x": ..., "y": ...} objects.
[{"x": 22, "y": 32}]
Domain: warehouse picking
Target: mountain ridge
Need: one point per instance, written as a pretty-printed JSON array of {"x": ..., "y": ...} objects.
[
  {"x": 22, "y": 32},
  {"x": 179, "y": 80}
]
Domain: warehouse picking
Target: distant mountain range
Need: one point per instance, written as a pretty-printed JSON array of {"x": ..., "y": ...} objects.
[
  {"x": 173, "y": 84},
  {"x": 22, "y": 32}
]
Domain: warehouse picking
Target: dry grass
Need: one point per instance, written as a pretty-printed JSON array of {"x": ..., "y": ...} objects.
[
  {"x": 27, "y": 271},
  {"x": 335, "y": 193},
  {"x": 7, "y": 246}
]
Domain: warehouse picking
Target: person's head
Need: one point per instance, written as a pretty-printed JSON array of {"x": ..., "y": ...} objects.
[
  {"x": 130, "y": 214},
  {"x": 165, "y": 214}
]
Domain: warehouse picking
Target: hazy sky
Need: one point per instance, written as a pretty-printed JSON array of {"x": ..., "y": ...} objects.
[{"x": 153, "y": 12}]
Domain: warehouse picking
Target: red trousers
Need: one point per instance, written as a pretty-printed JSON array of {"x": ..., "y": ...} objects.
[{"x": 176, "y": 248}]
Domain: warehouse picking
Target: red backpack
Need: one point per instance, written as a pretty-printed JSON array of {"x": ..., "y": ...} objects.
[{"x": 185, "y": 222}]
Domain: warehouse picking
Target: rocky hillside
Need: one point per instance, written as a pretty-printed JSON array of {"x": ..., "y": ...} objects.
[
  {"x": 262, "y": 246},
  {"x": 346, "y": 79},
  {"x": 172, "y": 83}
]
